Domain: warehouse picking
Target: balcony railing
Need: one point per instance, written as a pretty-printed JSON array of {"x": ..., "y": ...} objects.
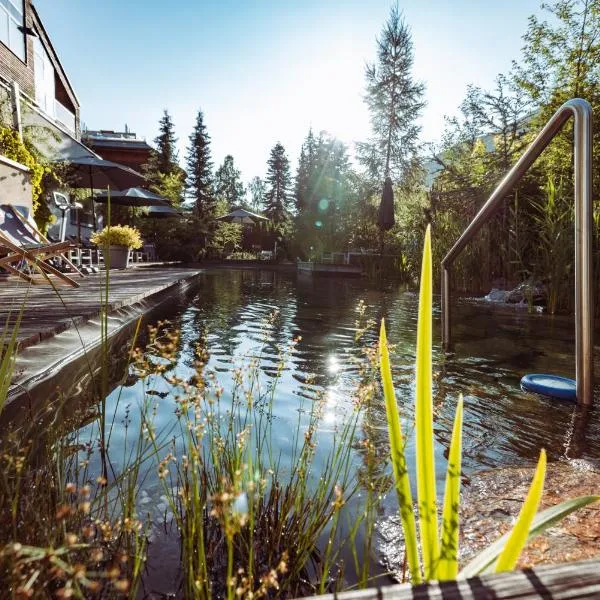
[{"x": 64, "y": 116}]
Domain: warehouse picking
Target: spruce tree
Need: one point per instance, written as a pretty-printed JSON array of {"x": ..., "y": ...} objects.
[
  {"x": 395, "y": 102},
  {"x": 162, "y": 170},
  {"x": 228, "y": 184},
  {"x": 200, "y": 180},
  {"x": 278, "y": 186},
  {"x": 166, "y": 146}
]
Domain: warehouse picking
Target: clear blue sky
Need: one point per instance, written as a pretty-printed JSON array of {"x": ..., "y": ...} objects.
[{"x": 264, "y": 70}]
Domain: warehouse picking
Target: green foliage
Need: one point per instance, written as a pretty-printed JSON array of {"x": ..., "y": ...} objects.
[
  {"x": 278, "y": 198},
  {"x": 228, "y": 185},
  {"x": 166, "y": 156},
  {"x": 162, "y": 170},
  {"x": 258, "y": 193},
  {"x": 199, "y": 166},
  {"x": 117, "y": 235},
  {"x": 14, "y": 149},
  {"x": 325, "y": 195},
  {"x": 395, "y": 102},
  {"x": 443, "y": 563}
]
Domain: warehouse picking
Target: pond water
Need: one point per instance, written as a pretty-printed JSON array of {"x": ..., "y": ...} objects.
[{"x": 241, "y": 314}]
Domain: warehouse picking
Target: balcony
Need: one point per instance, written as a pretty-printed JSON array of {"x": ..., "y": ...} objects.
[{"x": 64, "y": 117}]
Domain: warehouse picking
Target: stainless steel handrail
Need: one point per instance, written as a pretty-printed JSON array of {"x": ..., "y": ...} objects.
[{"x": 581, "y": 112}]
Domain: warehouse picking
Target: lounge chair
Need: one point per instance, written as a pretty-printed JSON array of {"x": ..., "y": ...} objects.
[
  {"x": 21, "y": 243},
  {"x": 27, "y": 219}
]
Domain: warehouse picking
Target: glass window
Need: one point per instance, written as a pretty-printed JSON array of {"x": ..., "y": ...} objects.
[
  {"x": 44, "y": 77},
  {"x": 11, "y": 18}
]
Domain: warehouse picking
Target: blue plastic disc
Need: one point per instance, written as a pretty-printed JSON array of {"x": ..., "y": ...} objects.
[{"x": 550, "y": 385}]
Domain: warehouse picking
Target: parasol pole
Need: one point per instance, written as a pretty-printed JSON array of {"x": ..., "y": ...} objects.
[{"x": 92, "y": 197}]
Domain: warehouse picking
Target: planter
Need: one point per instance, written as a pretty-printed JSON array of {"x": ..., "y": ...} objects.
[{"x": 118, "y": 257}]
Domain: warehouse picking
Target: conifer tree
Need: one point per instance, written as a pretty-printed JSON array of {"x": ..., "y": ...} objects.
[
  {"x": 228, "y": 184},
  {"x": 166, "y": 145},
  {"x": 395, "y": 102},
  {"x": 200, "y": 179},
  {"x": 278, "y": 186},
  {"x": 257, "y": 193},
  {"x": 162, "y": 170}
]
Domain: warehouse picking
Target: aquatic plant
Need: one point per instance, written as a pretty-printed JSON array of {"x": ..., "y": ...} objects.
[
  {"x": 439, "y": 550},
  {"x": 249, "y": 522}
]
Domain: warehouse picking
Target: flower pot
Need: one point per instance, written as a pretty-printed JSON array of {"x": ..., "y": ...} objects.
[{"x": 118, "y": 257}]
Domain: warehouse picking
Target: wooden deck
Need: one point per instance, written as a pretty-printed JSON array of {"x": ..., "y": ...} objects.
[
  {"x": 550, "y": 582},
  {"x": 50, "y": 311}
]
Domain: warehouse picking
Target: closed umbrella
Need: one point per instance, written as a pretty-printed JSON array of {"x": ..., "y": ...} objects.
[
  {"x": 385, "y": 218},
  {"x": 90, "y": 171}
]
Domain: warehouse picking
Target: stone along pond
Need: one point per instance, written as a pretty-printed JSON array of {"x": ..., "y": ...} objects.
[{"x": 241, "y": 318}]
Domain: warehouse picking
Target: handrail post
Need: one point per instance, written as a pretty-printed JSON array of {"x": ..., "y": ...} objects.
[
  {"x": 581, "y": 111},
  {"x": 584, "y": 303},
  {"x": 445, "y": 292}
]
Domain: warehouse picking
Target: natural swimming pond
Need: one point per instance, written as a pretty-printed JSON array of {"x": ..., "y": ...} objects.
[{"x": 300, "y": 332}]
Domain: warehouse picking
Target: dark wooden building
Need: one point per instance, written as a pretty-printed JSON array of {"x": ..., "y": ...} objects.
[{"x": 122, "y": 147}]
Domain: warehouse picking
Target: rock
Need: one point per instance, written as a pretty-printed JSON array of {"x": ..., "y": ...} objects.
[
  {"x": 528, "y": 291},
  {"x": 497, "y": 295}
]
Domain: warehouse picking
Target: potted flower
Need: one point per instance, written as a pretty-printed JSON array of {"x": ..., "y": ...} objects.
[{"x": 116, "y": 241}]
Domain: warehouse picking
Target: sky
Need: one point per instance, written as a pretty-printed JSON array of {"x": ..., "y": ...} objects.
[{"x": 264, "y": 71}]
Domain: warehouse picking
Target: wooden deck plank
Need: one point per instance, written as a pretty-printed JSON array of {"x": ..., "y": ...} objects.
[
  {"x": 550, "y": 582},
  {"x": 47, "y": 311}
]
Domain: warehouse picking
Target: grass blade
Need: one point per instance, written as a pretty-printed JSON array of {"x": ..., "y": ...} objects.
[
  {"x": 547, "y": 518},
  {"x": 518, "y": 536},
  {"x": 426, "y": 488},
  {"x": 448, "y": 567},
  {"x": 399, "y": 467}
]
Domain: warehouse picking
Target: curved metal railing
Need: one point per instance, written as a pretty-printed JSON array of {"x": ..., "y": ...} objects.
[{"x": 581, "y": 112}]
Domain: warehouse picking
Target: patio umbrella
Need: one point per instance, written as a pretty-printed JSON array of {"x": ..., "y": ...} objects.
[
  {"x": 134, "y": 196},
  {"x": 242, "y": 216},
  {"x": 161, "y": 212},
  {"x": 89, "y": 171}
]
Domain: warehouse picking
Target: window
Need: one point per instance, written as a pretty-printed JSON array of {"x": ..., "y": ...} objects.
[
  {"x": 11, "y": 18},
  {"x": 44, "y": 77}
]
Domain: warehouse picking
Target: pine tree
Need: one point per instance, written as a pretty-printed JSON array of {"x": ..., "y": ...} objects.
[
  {"x": 228, "y": 184},
  {"x": 395, "y": 101},
  {"x": 278, "y": 186},
  {"x": 200, "y": 180}
]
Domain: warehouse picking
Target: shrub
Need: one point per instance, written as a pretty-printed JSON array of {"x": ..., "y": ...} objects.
[{"x": 118, "y": 235}]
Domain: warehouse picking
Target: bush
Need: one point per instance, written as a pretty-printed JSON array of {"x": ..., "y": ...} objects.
[{"x": 118, "y": 235}]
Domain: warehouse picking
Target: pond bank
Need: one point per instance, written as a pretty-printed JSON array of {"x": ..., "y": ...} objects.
[{"x": 491, "y": 501}]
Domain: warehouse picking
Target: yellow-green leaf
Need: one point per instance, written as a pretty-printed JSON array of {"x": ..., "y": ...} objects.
[
  {"x": 399, "y": 467},
  {"x": 448, "y": 565},
  {"x": 426, "y": 488},
  {"x": 518, "y": 536}
]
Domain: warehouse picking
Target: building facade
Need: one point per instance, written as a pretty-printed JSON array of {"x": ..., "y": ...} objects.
[
  {"x": 122, "y": 147},
  {"x": 28, "y": 58}
]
